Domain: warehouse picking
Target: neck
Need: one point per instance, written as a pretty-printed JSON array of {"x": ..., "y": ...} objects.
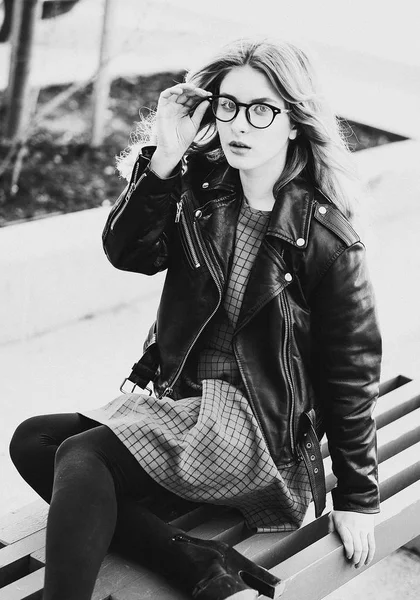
[{"x": 257, "y": 185}]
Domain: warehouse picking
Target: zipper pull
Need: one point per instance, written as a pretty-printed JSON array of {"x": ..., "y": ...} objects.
[
  {"x": 130, "y": 192},
  {"x": 178, "y": 211},
  {"x": 135, "y": 183},
  {"x": 166, "y": 392}
]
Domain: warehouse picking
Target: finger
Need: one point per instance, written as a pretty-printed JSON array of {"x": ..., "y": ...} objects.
[
  {"x": 365, "y": 550},
  {"x": 191, "y": 98},
  {"x": 186, "y": 90},
  {"x": 192, "y": 90},
  {"x": 175, "y": 90},
  {"x": 199, "y": 113},
  {"x": 358, "y": 549},
  {"x": 372, "y": 547},
  {"x": 347, "y": 540}
]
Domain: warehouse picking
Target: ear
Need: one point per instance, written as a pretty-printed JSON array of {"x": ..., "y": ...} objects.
[{"x": 293, "y": 134}]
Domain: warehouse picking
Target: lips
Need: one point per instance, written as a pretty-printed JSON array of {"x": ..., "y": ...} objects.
[{"x": 236, "y": 144}]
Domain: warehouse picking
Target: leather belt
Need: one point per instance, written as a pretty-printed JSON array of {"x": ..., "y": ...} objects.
[
  {"x": 142, "y": 372},
  {"x": 312, "y": 457}
]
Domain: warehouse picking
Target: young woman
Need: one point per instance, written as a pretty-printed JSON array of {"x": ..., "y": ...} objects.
[{"x": 266, "y": 337}]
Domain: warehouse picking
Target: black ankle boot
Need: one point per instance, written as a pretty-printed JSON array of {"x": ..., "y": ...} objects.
[{"x": 218, "y": 572}]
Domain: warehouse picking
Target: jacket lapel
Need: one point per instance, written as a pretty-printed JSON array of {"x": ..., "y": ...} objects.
[{"x": 270, "y": 275}]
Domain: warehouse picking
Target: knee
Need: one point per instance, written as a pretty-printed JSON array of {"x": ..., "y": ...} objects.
[
  {"x": 82, "y": 460},
  {"x": 25, "y": 440},
  {"x": 80, "y": 449},
  {"x": 71, "y": 450}
]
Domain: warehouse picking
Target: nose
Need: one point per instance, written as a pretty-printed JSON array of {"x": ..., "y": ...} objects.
[{"x": 240, "y": 122}]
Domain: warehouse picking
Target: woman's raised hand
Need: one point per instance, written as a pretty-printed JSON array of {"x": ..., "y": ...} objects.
[{"x": 177, "y": 124}]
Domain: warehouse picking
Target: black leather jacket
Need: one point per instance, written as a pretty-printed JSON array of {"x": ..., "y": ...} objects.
[{"x": 307, "y": 340}]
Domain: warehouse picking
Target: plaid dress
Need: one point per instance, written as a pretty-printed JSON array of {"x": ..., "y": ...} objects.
[{"x": 209, "y": 448}]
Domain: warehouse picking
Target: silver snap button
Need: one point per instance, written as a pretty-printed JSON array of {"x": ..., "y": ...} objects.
[
  {"x": 312, "y": 457},
  {"x": 322, "y": 210},
  {"x": 300, "y": 242},
  {"x": 198, "y": 214},
  {"x": 316, "y": 470},
  {"x": 309, "y": 445},
  {"x": 288, "y": 277},
  {"x": 205, "y": 185}
]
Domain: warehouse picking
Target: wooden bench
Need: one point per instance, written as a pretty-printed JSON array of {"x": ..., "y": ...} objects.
[{"x": 310, "y": 561}]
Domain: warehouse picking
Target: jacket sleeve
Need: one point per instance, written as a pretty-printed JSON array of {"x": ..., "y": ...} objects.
[
  {"x": 140, "y": 225},
  {"x": 348, "y": 350}
]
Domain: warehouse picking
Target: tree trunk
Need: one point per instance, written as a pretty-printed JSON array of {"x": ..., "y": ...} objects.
[
  {"x": 103, "y": 81},
  {"x": 25, "y": 16}
]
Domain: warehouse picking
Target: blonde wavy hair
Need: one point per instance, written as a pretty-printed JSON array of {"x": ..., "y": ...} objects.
[{"x": 319, "y": 151}]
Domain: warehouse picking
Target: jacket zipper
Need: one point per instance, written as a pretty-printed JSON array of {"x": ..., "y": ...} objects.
[
  {"x": 184, "y": 219},
  {"x": 288, "y": 370},
  {"x": 190, "y": 249},
  {"x": 120, "y": 207},
  {"x": 214, "y": 274},
  {"x": 249, "y": 394}
]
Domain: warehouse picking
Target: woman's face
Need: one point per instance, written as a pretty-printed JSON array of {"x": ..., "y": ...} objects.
[{"x": 264, "y": 147}]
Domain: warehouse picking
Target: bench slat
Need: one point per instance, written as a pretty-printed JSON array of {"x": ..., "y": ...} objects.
[
  {"x": 117, "y": 573},
  {"x": 27, "y": 588},
  {"x": 399, "y": 471},
  {"x": 322, "y": 567},
  {"x": 152, "y": 587},
  {"x": 397, "y": 403},
  {"x": 21, "y": 548},
  {"x": 23, "y": 522},
  {"x": 393, "y": 383},
  {"x": 399, "y": 435},
  {"x": 228, "y": 528}
]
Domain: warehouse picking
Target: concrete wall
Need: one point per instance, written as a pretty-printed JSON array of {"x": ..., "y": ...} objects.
[{"x": 54, "y": 271}]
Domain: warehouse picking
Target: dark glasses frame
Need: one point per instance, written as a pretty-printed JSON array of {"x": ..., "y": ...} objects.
[{"x": 275, "y": 109}]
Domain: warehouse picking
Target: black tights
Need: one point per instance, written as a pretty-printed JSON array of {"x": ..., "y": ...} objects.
[{"x": 92, "y": 482}]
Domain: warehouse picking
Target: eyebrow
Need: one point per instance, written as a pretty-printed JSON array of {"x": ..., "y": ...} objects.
[{"x": 264, "y": 100}]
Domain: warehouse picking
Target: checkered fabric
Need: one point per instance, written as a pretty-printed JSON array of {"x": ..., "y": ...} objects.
[
  {"x": 209, "y": 448},
  {"x": 250, "y": 230}
]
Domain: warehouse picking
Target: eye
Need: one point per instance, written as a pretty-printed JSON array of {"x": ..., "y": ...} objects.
[
  {"x": 227, "y": 104},
  {"x": 261, "y": 109}
]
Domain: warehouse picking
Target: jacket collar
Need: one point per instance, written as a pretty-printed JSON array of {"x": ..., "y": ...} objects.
[
  {"x": 292, "y": 212},
  {"x": 291, "y": 216}
]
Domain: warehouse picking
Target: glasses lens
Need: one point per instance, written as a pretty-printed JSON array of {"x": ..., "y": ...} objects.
[
  {"x": 224, "y": 109},
  {"x": 260, "y": 115}
]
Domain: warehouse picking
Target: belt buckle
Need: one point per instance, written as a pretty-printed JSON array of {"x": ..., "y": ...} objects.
[{"x": 123, "y": 391}]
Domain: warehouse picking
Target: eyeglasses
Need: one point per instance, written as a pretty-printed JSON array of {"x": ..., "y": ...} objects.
[{"x": 258, "y": 114}]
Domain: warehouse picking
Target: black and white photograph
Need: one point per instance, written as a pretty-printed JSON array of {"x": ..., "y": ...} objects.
[{"x": 209, "y": 278}]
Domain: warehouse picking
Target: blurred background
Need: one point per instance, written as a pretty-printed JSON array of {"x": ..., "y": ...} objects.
[{"x": 73, "y": 77}]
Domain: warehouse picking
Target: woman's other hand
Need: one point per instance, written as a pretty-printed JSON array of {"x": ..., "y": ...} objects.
[
  {"x": 356, "y": 531},
  {"x": 177, "y": 124}
]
